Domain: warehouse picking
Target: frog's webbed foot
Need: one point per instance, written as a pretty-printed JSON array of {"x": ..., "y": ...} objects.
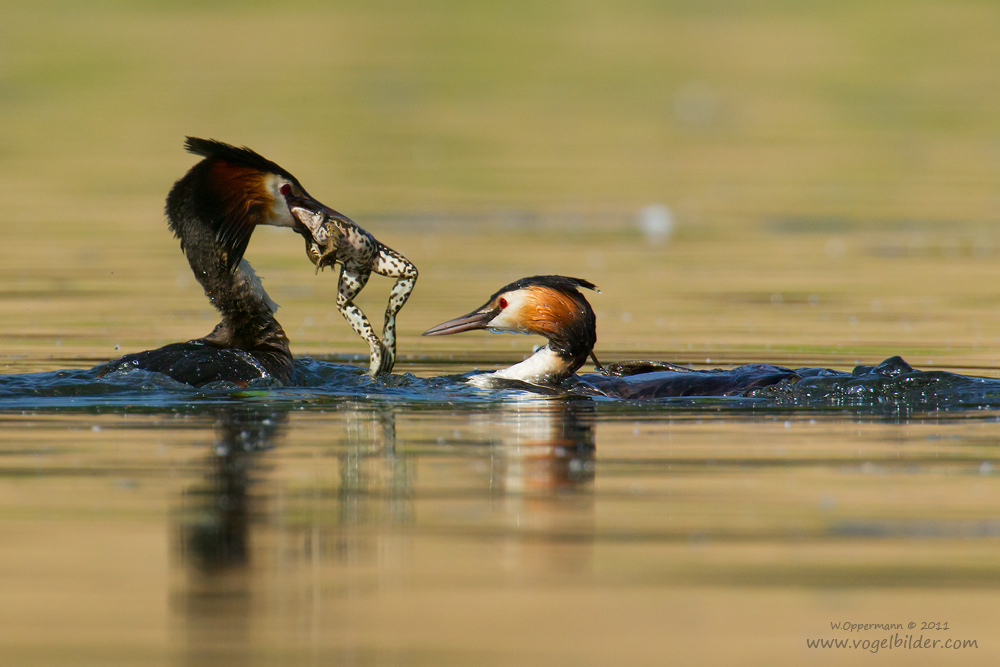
[{"x": 382, "y": 360}]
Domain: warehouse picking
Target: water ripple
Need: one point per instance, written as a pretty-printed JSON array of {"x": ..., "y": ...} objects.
[{"x": 891, "y": 387}]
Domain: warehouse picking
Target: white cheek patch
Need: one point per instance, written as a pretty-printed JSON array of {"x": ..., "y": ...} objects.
[
  {"x": 511, "y": 318},
  {"x": 279, "y": 215}
]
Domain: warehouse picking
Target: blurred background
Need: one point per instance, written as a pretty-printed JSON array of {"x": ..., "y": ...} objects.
[
  {"x": 740, "y": 179},
  {"x": 813, "y": 182}
]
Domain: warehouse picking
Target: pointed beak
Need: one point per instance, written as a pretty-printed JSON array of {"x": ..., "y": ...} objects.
[
  {"x": 476, "y": 320},
  {"x": 307, "y": 212},
  {"x": 311, "y": 215},
  {"x": 305, "y": 204}
]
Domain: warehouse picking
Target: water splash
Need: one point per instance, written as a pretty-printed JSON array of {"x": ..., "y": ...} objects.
[
  {"x": 892, "y": 384},
  {"x": 891, "y": 387}
]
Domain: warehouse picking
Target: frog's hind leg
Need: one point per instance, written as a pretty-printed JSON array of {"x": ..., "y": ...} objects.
[
  {"x": 390, "y": 263},
  {"x": 351, "y": 283}
]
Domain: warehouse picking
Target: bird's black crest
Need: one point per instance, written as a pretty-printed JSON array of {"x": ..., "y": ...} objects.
[
  {"x": 561, "y": 283},
  {"x": 218, "y": 150}
]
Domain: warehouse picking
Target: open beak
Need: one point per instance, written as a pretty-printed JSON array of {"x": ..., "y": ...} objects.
[
  {"x": 304, "y": 205},
  {"x": 310, "y": 216},
  {"x": 479, "y": 319}
]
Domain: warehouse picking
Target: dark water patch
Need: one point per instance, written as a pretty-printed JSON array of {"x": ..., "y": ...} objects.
[
  {"x": 812, "y": 225},
  {"x": 892, "y": 388},
  {"x": 827, "y": 224},
  {"x": 318, "y": 384},
  {"x": 908, "y": 528}
]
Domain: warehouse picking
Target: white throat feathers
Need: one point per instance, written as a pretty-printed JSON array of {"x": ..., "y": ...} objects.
[{"x": 245, "y": 273}]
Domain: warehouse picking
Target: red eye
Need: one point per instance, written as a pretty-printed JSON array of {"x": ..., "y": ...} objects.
[
  {"x": 286, "y": 189},
  {"x": 503, "y": 303}
]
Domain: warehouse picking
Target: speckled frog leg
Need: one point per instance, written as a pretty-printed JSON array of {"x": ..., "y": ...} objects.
[
  {"x": 359, "y": 253},
  {"x": 351, "y": 282},
  {"x": 390, "y": 263}
]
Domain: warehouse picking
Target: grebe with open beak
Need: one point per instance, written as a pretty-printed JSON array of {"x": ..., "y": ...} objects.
[
  {"x": 213, "y": 210},
  {"x": 554, "y": 307}
]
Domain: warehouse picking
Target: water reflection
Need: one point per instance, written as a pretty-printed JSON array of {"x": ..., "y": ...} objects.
[
  {"x": 543, "y": 464},
  {"x": 543, "y": 445},
  {"x": 376, "y": 482},
  {"x": 274, "y": 530},
  {"x": 214, "y": 536}
]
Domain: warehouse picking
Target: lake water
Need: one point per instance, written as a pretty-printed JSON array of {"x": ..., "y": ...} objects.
[
  {"x": 413, "y": 523},
  {"x": 805, "y": 186}
]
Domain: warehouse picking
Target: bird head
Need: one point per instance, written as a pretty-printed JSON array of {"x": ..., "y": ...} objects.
[
  {"x": 227, "y": 194},
  {"x": 550, "y": 306}
]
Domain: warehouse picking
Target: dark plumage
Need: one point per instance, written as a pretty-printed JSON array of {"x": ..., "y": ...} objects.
[
  {"x": 553, "y": 306},
  {"x": 213, "y": 210}
]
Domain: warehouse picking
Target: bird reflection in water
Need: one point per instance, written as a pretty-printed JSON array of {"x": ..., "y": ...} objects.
[
  {"x": 372, "y": 506},
  {"x": 544, "y": 445},
  {"x": 214, "y": 537},
  {"x": 217, "y": 537},
  {"x": 543, "y": 465}
]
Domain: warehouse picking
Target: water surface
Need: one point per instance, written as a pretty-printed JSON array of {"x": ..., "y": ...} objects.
[
  {"x": 831, "y": 173},
  {"x": 418, "y": 521}
]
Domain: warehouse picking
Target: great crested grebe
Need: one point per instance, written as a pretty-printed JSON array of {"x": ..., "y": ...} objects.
[
  {"x": 213, "y": 210},
  {"x": 554, "y": 307},
  {"x": 333, "y": 239}
]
